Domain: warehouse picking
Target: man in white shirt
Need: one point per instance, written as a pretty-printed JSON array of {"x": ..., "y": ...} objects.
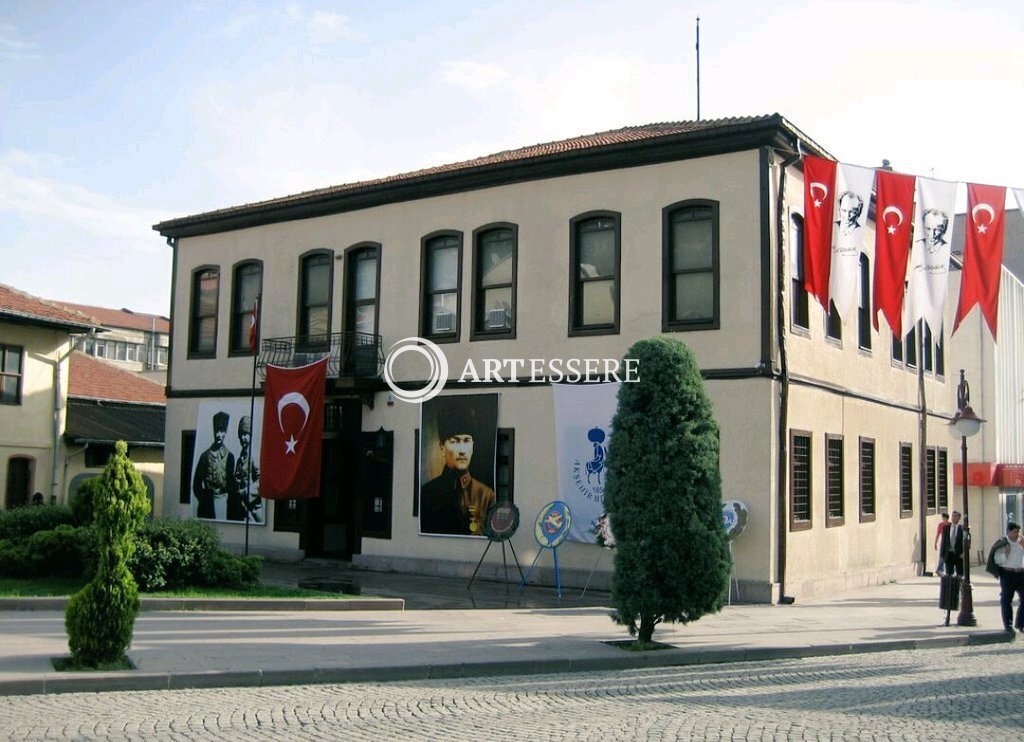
[{"x": 1010, "y": 560}]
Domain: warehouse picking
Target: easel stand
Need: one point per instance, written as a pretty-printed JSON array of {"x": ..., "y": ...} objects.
[
  {"x": 504, "y": 563},
  {"x": 592, "y": 570},
  {"x": 732, "y": 576},
  {"x": 558, "y": 575}
]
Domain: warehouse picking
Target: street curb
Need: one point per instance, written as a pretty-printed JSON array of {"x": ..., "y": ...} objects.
[
  {"x": 675, "y": 657},
  {"x": 59, "y": 603}
]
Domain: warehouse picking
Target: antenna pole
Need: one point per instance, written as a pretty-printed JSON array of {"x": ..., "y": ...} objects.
[{"x": 698, "y": 68}]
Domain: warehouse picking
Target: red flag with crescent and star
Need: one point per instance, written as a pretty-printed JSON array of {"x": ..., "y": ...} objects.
[
  {"x": 293, "y": 421},
  {"x": 254, "y": 325},
  {"x": 819, "y": 200},
  {"x": 983, "y": 253},
  {"x": 895, "y": 209}
]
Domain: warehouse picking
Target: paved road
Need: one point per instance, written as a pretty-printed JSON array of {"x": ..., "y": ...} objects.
[{"x": 969, "y": 693}]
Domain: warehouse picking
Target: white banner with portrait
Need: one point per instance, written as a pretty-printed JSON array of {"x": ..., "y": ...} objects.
[
  {"x": 583, "y": 426},
  {"x": 225, "y": 465}
]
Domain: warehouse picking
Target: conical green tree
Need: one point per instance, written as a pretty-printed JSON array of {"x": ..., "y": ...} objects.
[
  {"x": 100, "y": 617},
  {"x": 664, "y": 494}
]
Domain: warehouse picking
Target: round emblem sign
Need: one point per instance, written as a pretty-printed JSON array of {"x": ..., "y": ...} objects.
[
  {"x": 502, "y": 521},
  {"x": 734, "y": 517},
  {"x": 552, "y": 525}
]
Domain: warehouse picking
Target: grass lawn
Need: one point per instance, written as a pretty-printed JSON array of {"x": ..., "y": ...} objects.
[{"x": 11, "y": 587}]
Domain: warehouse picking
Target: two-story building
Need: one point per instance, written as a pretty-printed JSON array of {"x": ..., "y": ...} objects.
[
  {"x": 835, "y": 435},
  {"x": 132, "y": 340}
]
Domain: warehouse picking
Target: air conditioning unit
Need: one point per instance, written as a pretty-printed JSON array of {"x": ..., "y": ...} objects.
[
  {"x": 304, "y": 359},
  {"x": 497, "y": 319},
  {"x": 444, "y": 322}
]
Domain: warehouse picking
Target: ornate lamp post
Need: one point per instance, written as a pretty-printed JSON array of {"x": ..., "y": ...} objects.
[{"x": 966, "y": 424}]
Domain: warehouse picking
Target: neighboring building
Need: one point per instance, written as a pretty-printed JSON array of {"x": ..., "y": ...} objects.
[
  {"x": 131, "y": 340},
  {"x": 36, "y": 337},
  {"x": 107, "y": 404},
  {"x": 689, "y": 229}
]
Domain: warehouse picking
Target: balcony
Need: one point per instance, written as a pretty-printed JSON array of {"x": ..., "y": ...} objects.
[{"x": 354, "y": 356}]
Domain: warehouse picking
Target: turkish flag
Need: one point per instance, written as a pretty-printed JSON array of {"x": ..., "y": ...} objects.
[
  {"x": 293, "y": 421},
  {"x": 819, "y": 201},
  {"x": 983, "y": 253},
  {"x": 895, "y": 209},
  {"x": 254, "y": 325}
]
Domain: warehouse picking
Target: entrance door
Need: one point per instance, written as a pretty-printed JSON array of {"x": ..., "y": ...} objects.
[
  {"x": 330, "y": 523},
  {"x": 20, "y": 471}
]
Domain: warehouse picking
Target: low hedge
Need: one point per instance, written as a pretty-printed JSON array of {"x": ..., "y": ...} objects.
[
  {"x": 22, "y": 522},
  {"x": 64, "y": 551}
]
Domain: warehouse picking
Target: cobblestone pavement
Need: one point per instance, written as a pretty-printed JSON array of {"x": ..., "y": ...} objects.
[{"x": 968, "y": 693}]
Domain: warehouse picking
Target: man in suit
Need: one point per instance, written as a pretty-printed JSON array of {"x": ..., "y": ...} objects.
[
  {"x": 951, "y": 545},
  {"x": 455, "y": 503}
]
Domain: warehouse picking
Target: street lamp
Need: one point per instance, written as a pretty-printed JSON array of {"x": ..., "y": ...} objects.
[{"x": 966, "y": 424}]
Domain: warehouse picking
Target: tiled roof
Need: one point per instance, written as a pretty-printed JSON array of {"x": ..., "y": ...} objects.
[
  {"x": 92, "y": 378},
  {"x": 107, "y": 422},
  {"x": 17, "y": 306},
  {"x": 121, "y": 318},
  {"x": 618, "y": 139}
]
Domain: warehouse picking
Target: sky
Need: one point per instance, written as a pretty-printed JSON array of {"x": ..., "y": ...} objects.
[{"x": 115, "y": 116}]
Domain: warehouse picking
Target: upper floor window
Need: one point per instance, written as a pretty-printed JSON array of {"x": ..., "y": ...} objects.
[
  {"x": 594, "y": 278},
  {"x": 833, "y": 323},
  {"x": 801, "y": 302},
  {"x": 202, "y": 337},
  {"x": 494, "y": 281},
  {"x": 362, "y": 282},
  {"x": 442, "y": 286},
  {"x": 11, "y": 358},
  {"x": 864, "y": 305},
  {"x": 245, "y": 288},
  {"x": 690, "y": 265},
  {"x": 316, "y": 275}
]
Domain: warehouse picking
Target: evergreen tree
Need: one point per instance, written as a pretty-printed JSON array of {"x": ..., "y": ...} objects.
[
  {"x": 664, "y": 494},
  {"x": 100, "y": 617}
]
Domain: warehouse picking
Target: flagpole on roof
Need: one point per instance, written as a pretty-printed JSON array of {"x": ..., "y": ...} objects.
[
  {"x": 254, "y": 329},
  {"x": 698, "y": 68}
]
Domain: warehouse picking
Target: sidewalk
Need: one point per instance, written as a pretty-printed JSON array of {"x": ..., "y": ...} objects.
[{"x": 183, "y": 649}]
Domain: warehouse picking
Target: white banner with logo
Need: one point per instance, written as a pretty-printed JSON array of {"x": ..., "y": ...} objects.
[{"x": 583, "y": 426}]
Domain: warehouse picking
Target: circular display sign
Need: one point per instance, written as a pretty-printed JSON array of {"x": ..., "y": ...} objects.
[
  {"x": 734, "y": 517},
  {"x": 502, "y": 521},
  {"x": 552, "y": 525}
]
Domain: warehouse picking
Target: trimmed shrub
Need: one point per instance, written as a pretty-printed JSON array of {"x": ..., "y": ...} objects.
[
  {"x": 24, "y": 521},
  {"x": 175, "y": 554},
  {"x": 99, "y": 619},
  {"x": 65, "y": 551},
  {"x": 82, "y": 502},
  {"x": 664, "y": 494}
]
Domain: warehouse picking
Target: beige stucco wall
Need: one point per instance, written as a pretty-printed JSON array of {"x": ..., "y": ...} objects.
[
  {"x": 27, "y": 429},
  {"x": 149, "y": 462}
]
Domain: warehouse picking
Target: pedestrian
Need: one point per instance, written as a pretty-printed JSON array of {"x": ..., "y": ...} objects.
[
  {"x": 940, "y": 568},
  {"x": 951, "y": 545},
  {"x": 1006, "y": 559}
]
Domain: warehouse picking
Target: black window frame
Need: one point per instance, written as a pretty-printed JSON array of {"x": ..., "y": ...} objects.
[
  {"x": 835, "y": 485},
  {"x": 429, "y": 243},
  {"x": 7, "y": 349},
  {"x": 864, "y": 305},
  {"x": 866, "y": 479},
  {"x": 352, "y": 255},
  {"x": 238, "y": 343},
  {"x": 801, "y": 472},
  {"x": 576, "y": 326},
  {"x": 906, "y": 465},
  {"x": 505, "y": 465},
  {"x": 478, "y": 325},
  {"x": 305, "y": 340},
  {"x": 194, "y": 318},
  {"x": 800, "y": 299},
  {"x": 186, "y": 458},
  {"x": 670, "y": 323},
  {"x": 941, "y": 479},
  {"x": 833, "y": 325},
  {"x": 931, "y": 492}
]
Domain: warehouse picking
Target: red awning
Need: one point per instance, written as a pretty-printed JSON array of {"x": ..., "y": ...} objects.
[{"x": 990, "y": 474}]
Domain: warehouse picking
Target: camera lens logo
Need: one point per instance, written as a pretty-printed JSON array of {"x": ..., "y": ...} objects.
[{"x": 438, "y": 369}]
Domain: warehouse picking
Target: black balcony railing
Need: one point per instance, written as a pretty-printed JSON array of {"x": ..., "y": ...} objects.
[{"x": 355, "y": 355}]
